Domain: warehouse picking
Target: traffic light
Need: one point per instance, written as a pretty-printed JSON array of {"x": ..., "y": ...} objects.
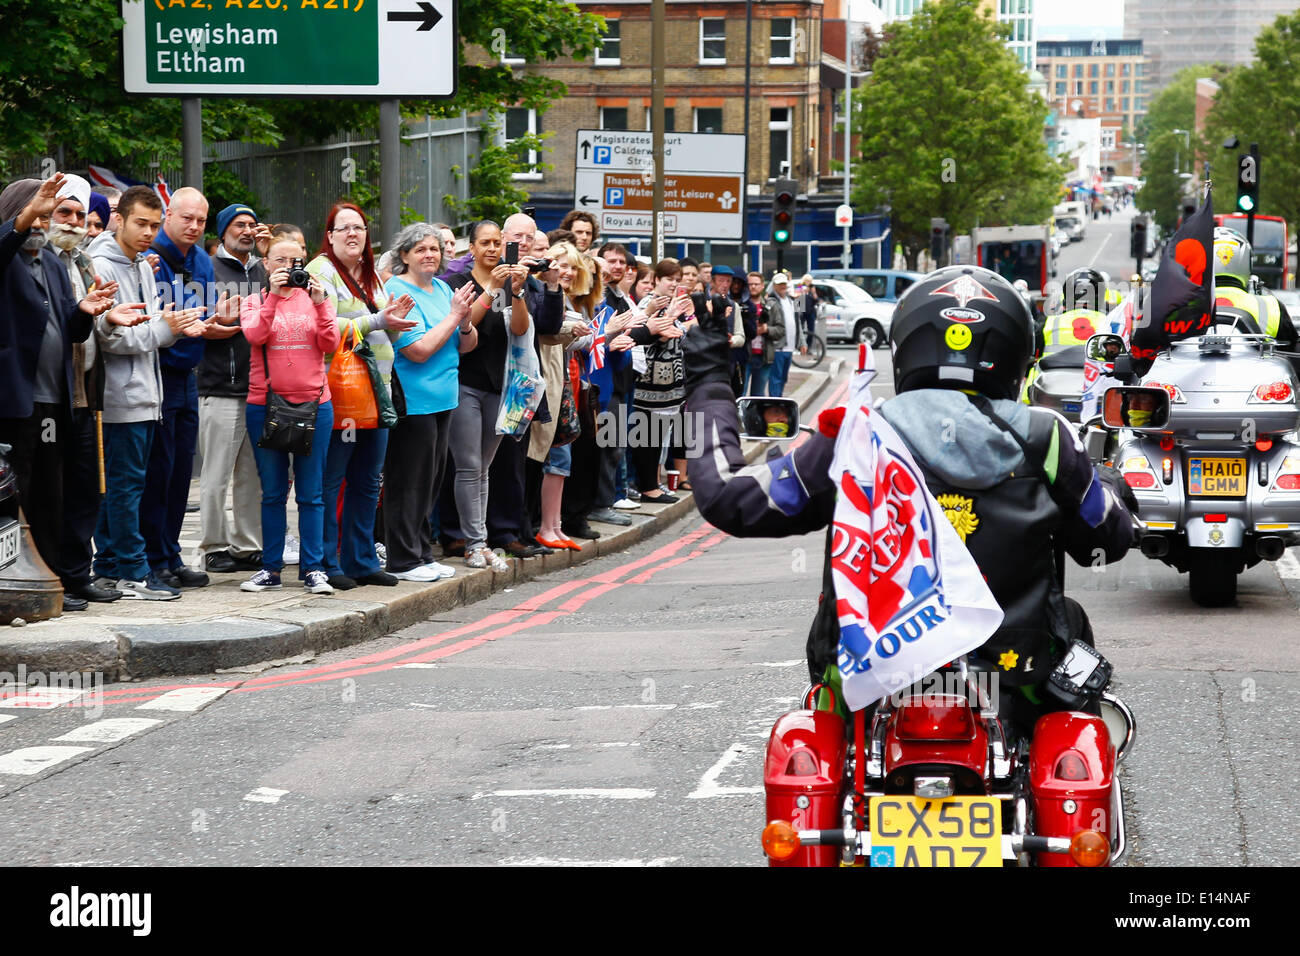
[
  {"x": 938, "y": 240},
  {"x": 783, "y": 208},
  {"x": 1137, "y": 240},
  {"x": 1247, "y": 183}
]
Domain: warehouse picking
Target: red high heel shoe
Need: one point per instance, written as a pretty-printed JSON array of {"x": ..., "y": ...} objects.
[{"x": 558, "y": 544}]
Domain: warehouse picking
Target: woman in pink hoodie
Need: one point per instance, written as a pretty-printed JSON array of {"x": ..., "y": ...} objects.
[{"x": 290, "y": 330}]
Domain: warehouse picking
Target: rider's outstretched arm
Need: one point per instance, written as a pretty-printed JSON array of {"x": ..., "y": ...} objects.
[
  {"x": 1099, "y": 523},
  {"x": 792, "y": 494}
]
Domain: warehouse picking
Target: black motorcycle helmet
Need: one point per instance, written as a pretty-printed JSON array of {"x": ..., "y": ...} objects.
[
  {"x": 962, "y": 327},
  {"x": 1086, "y": 289}
]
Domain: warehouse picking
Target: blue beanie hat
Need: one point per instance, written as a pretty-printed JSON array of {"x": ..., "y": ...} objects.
[{"x": 230, "y": 212}]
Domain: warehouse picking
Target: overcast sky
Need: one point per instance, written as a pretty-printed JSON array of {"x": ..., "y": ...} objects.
[{"x": 1070, "y": 19}]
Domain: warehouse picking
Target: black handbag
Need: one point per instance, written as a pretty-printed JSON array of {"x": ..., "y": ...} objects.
[{"x": 289, "y": 426}]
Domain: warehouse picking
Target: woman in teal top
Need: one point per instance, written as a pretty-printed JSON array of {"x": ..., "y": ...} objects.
[
  {"x": 427, "y": 364},
  {"x": 346, "y": 267}
]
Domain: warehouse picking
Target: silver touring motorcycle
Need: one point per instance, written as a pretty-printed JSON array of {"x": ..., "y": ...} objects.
[{"x": 1208, "y": 446}]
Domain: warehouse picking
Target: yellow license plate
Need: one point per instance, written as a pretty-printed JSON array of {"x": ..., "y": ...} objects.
[
  {"x": 958, "y": 831},
  {"x": 1216, "y": 477}
]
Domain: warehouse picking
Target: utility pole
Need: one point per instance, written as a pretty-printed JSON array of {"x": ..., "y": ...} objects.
[
  {"x": 744, "y": 196},
  {"x": 657, "y": 112},
  {"x": 846, "y": 256},
  {"x": 390, "y": 168},
  {"x": 192, "y": 142}
]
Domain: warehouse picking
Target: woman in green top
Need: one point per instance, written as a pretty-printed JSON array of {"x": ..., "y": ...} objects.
[{"x": 346, "y": 267}]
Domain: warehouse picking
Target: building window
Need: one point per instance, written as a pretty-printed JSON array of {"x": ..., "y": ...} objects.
[
  {"x": 1060, "y": 89},
  {"x": 1062, "y": 71},
  {"x": 1123, "y": 69},
  {"x": 669, "y": 124},
  {"x": 610, "y": 52},
  {"x": 1092, "y": 69},
  {"x": 1137, "y": 86},
  {"x": 1092, "y": 88},
  {"x": 520, "y": 121},
  {"x": 1108, "y": 137},
  {"x": 779, "y": 124},
  {"x": 782, "y": 40},
  {"x": 1110, "y": 69},
  {"x": 1078, "y": 69},
  {"x": 713, "y": 40},
  {"x": 1123, "y": 103},
  {"x": 1137, "y": 69},
  {"x": 1110, "y": 105},
  {"x": 1078, "y": 87},
  {"x": 1110, "y": 86},
  {"x": 1123, "y": 87},
  {"x": 708, "y": 119},
  {"x": 613, "y": 117}
]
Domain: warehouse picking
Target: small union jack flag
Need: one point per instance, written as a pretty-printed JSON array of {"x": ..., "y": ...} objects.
[{"x": 596, "y": 360}]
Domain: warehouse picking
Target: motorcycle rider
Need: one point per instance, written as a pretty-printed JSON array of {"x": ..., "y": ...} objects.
[
  {"x": 1085, "y": 294},
  {"x": 1017, "y": 475},
  {"x": 1232, "y": 256}
]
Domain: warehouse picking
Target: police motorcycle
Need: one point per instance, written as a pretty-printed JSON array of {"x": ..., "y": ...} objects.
[
  {"x": 941, "y": 778},
  {"x": 1218, "y": 484}
]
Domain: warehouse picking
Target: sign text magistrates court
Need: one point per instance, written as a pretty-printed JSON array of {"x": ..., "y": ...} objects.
[{"x": 388, "y": 48}]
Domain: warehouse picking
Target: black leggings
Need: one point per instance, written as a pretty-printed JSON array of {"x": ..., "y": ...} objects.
[{"x": 645, "y": 453}]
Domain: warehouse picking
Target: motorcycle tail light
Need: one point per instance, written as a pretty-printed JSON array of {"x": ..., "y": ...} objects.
[
  {"x": 1272, "y": 392},
  {"x": 1089, "y": 848},
  {"x": 1175, "y": 393},
  {"x": 1215, "y": 519},
  {"x": 1264, "y": 444},
  {"x": 1070, "y": 766},
  {"x": 1287, "y": 483},
  {"x": 1167, "y": 443},
  {"x": 946, "y": 718},
  {"x": 801, "y": 764},
  {"x": 780, "y": 840},
  {"x": 1140, "y": 479},
  {"x": 1167, "y": 470}
]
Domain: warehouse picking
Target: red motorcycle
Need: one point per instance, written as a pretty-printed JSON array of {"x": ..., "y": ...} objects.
[{"x": 936, "y": 783}]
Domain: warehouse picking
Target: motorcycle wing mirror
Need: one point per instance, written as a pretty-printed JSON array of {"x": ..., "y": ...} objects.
[
  {"x": 1105, "y": 348},
  {"x": 1132, "y": 406},
  {"x": 768, "y": 419}
]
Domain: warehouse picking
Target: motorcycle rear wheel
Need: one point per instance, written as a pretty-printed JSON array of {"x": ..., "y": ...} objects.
[{"x": 1212, "y": 580}]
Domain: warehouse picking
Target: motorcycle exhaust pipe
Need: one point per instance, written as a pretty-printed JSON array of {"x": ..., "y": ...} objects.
[
  {"x": 1155, "y": 546},
  {"x": 1270, "y": 547}
]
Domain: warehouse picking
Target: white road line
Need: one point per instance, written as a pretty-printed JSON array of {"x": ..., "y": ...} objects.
[
  {"x": 622, "y": 743},
  {"x": 185, "y": 699},
  {"x": 7, "y": 717},
  {"x": 794, "y": 663},
  {"x": 1100, "y": 248},
  {"x": 553, "y": 746},
  {"x": 32, "y": 760},
  {"x": 626, "y": 793},
  {"x": 627, "y": 707},
  {"x": 548, "y": 861},
  {"x": 110, "y": 731},
  {"x": 43, "y": 698},
  {"x": 1288, "y": 566},
  {"x": 265, "y": 795},
  {"x": 422, "y": 665},
  {"x": 429, "y": 706},
  {"x": 703, "y": 706},
  {"x": 709, "y": 782}
]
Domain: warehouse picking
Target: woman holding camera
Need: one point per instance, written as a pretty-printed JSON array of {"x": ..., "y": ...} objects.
[
  {"x": 427, "y": 364},
  {"x": 346, "y": 268},
  {"x": 290, "y": 328},
  {"x": 474, "y": 438}
]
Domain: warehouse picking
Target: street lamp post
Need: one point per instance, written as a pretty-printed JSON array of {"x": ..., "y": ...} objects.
[{"x": 1187, "y": 140}]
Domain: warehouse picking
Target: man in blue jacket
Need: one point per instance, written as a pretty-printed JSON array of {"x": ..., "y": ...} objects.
[
  {"x": 185, "y": 277},
  {"x": 40, "y": 319}
]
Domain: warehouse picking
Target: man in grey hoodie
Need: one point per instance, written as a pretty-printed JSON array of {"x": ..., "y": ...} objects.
[{"x": 132, "y": 392}]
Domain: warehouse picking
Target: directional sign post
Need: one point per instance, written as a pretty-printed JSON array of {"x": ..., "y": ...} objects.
[
  {"x": 704, "y": 183},
  {"x": 380, "y": 48}
]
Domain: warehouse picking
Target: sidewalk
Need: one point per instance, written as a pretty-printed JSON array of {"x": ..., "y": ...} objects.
[{"x": 219, "y": 626}]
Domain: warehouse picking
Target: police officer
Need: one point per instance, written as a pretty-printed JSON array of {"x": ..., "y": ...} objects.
[
  {"x": 1017, "y": 471},
  {"x": 1231, "y": 281}
]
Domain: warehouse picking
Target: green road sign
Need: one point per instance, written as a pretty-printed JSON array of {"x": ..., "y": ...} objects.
[{"x": 290, "y": 47}]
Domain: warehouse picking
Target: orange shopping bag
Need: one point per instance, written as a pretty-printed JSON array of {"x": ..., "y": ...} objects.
[{"x": 351, "y": 391}]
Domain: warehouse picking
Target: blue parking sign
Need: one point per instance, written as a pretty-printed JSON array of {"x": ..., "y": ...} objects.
[
  {"x": 614, "y": 196},
  {"x": 603, "y": 155}
]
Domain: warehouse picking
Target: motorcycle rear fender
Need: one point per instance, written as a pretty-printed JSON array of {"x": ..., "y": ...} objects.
[
  {"x": 1064, "y": 807},
  {"x": 1201, "y": 533},
  {"x": 821, "y": 734}
]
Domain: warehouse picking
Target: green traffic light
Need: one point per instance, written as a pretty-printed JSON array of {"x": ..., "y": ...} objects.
[
  {"x": 781, "y": 235},
  {"x": 1245, "y": 203}
]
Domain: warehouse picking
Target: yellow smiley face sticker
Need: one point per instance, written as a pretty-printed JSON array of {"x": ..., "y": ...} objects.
[{"x": 958, "y": 337}]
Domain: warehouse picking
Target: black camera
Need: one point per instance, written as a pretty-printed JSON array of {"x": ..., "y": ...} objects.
[
  {"x": 299, "y": 278},
  {"x": 545, "y": 265}
]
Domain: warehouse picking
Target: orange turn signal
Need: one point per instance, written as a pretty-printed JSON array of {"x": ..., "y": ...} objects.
[
  {"x": 780, "y": 840},
  {"x": 1089, "y": 848}
]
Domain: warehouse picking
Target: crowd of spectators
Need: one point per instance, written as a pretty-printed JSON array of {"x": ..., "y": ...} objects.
[{"x": 130, "y": 343}]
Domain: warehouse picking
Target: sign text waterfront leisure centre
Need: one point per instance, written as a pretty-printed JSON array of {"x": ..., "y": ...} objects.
[{"x": 290, "y": 47}]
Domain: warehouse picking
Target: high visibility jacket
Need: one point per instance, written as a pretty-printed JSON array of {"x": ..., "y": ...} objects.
[
  {"x": 1264, "y": 309},
  {"x": 1073, "y": 328}
]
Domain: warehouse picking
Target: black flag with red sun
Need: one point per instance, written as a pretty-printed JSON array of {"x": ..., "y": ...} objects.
[{"x": 1181, "y": 303}]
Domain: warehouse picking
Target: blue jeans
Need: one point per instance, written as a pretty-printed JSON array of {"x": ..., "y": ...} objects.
[
  {"x": 171, "y": 462},
  {"x": 780, "y": 372},
  {"x": 350, "y": 544},
  {"x": 308, "y": 473},
  {"x": 756, "y": 373},
  {"x": 119, "y": 543}
]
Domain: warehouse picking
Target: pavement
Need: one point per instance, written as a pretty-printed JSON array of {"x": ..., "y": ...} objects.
[{"x": 218, "y": 627}]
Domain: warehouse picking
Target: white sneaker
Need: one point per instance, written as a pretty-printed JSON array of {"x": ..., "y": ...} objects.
[
  {"x": 627, "y": 504},
  {"x": 422, "y": 574},
  {"x": 381, "y": 554},
  {"x": 444, "y": 570},
  {"x": 496, "y": 561},
  {"x": 318, "y": 583},
  {"x": 290, "y": 550},
  {"x": 144, "y": 591}
]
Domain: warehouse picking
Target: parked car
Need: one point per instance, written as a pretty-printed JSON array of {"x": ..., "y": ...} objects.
[
  {"x": 883, "y": 285},
  {"x": 848, "y": 314},
  {"x": 1072, "y": 226}
]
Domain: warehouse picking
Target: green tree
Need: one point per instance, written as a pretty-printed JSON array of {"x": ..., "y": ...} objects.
[
  {"x": 1260, "y": 103},
  {"x": 949, "y": 127},
  {"x": 1174, "y": 107}
]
